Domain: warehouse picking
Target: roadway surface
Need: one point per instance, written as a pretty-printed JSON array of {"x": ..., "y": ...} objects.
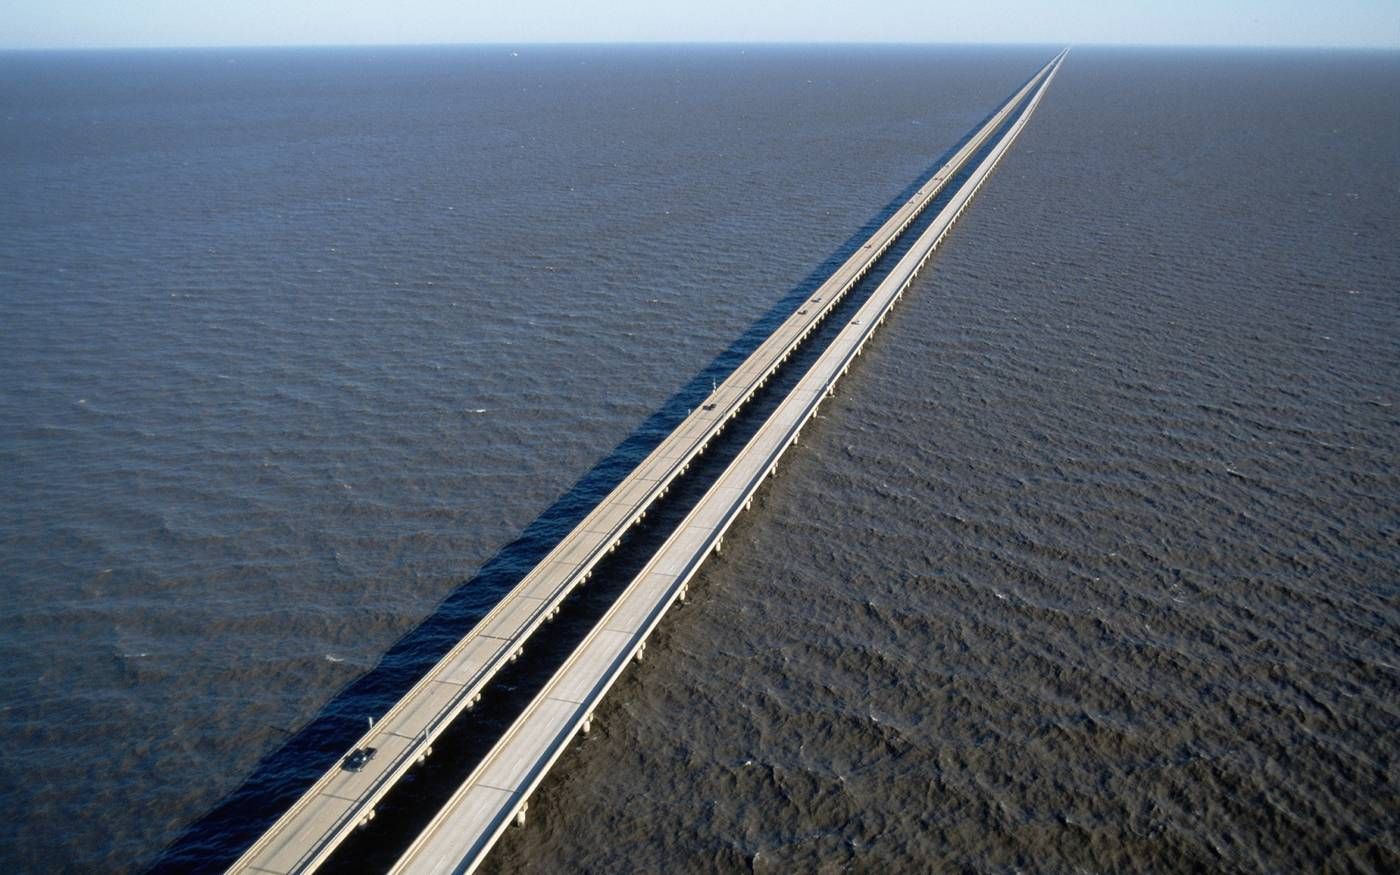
[
  {"x": 340, "y": 800},
  {"x": 498, "y": 790}
]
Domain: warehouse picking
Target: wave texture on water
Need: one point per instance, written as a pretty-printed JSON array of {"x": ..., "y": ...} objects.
[{"x": 1090, "y": 563}]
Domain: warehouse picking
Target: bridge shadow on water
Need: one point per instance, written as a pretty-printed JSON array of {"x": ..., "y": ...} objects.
[{"x": 216, "y": 839}]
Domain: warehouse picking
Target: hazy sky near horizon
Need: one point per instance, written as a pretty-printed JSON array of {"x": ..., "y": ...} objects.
[{"x": 138, "y": 23}]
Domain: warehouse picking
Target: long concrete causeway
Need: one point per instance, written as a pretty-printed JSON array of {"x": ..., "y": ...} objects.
[{"x": 498, "y": 790}]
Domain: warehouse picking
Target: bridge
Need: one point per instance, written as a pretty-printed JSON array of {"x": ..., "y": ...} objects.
[{"x": 497, "y": 791}]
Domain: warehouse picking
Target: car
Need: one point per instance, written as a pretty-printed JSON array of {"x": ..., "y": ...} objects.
[{"x": 356, "y": 759}]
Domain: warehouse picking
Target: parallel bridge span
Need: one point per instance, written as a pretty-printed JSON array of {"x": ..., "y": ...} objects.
[
  {"x": 499, "y": 788},
  {"x": 340, "y": 800}
]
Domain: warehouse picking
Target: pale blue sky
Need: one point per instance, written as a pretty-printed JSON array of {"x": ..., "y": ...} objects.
[{"x": 102, "y": 23}]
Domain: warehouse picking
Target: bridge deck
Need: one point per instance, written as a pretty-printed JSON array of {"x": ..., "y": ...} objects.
[
  {"x": 340, "y": 800},
  {"x": 465, "y": 829}
]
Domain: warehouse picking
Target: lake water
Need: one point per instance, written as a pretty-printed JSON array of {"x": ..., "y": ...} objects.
[{"x": 1092, "y": 562}]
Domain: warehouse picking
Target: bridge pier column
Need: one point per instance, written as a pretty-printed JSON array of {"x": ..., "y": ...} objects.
[{"x": 520, "y": 813}]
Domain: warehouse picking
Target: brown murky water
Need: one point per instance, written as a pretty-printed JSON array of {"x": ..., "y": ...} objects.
[{"x": 1091, "y": 565}]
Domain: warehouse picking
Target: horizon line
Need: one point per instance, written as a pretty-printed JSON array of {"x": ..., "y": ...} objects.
[{"x": 500, "y": 43}]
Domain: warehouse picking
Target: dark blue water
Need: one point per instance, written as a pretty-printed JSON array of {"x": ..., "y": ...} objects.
[{"x": 1092, "y": 564}]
